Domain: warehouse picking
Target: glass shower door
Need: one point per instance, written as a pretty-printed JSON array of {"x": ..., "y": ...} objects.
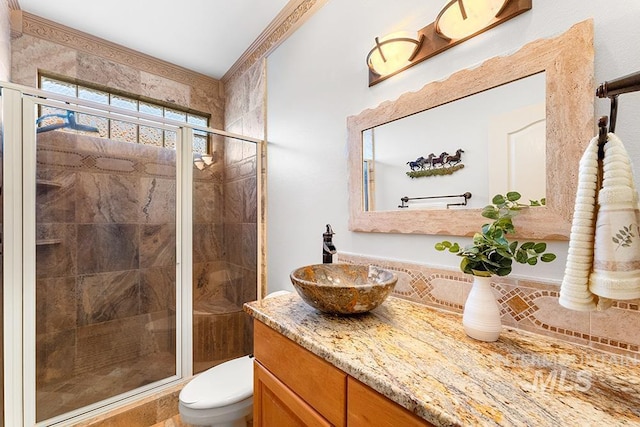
[
  {"x": 105, "y": 259},
  {"x": 224, "y": 248}
]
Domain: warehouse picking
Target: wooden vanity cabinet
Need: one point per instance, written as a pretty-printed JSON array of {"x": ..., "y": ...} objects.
[
  {"x": 294, "y": 387},
  {"x": 284, "y": 371}
]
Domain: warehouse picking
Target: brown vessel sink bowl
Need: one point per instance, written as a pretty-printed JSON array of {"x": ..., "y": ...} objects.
[{"x": 343, "y": 288}]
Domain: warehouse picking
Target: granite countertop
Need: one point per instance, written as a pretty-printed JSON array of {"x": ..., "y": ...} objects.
[{"x": 421, "y": 358}]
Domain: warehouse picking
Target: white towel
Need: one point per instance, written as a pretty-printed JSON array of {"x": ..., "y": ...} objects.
[{"x": 595, "y": 276}]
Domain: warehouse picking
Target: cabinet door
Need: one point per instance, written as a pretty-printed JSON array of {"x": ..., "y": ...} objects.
[
  {"x": 367, "y": 408},
  {"x": 320, "y": 384},
  {"x": 275, "y": 405}
]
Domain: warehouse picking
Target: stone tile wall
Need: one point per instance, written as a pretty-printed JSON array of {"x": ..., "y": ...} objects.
[
  {"x": 244, "y": 114},
  {"x": 42, "y": 46},
  {"x": 105, "y": 254},
  {"x": 525, "y": 304},
  {"x": 106, "y": 227},
  {"x": 5, "y": 42},
  {"x": 241, "y": 228}
]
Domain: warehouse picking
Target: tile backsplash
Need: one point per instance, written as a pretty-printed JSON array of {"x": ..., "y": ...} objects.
[{"x": 525, "y": 304}]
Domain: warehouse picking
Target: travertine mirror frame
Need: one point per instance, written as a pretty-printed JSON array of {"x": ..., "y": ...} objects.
[{"x": 567, "y": 61}]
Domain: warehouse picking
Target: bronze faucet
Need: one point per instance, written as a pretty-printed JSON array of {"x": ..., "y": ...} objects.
[{"x": 328, "y": 248}]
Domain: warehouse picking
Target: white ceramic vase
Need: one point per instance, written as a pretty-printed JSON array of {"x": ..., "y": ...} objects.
[{"x": 481, "y": 317}]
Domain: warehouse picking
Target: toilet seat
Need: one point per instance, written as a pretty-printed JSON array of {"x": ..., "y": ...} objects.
[{"x": 223, "y": 385}]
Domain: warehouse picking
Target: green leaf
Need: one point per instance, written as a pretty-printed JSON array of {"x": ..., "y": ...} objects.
[
  {"x": 521, "y": 256},
  {"x": 488, "y": 262},
  {"x": 506, "y": 262},
  {"x": 466, "y": 266},
  {"x": 503, "y": 271},
  {"x": 490, "y": 212},
  {"x": 543, "y": 201},
  {"x": 540, "y": 247},
  {"x": 498, "y": 234},
  {"x": 513, "y": 246},
  {"x": 527, "y": 245},
  {"x": 498, "y": 199},
  {"x": 454, "y": 248},
  {"x": 548, "y": 257},
  {"x": 532, "y": 261},
  {"x": 472, "y": 250},
  {"x": 481, "y": 273},
  {"x": 503, "y": 253},
  {"x": 439, "y": 247},
  {"x": 513, "y": 196}
]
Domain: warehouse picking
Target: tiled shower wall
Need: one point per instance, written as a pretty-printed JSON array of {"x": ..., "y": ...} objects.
[
  {"x": 105, "y": 253},
  {"x": 525, "y": 304},
  {"x": 244, "y": 114},
  {"x": 5, "y": 42}
]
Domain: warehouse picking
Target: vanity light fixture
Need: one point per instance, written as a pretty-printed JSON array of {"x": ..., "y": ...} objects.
[{"x": 457, "y": 22}]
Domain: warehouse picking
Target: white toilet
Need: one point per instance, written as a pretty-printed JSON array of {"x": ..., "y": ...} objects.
[{"x": 221, "y": 396}]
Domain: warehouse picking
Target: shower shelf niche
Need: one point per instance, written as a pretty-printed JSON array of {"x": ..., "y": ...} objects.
[
  {"x": 48, "y": 242},
  {"x": 47, "y": 183}
]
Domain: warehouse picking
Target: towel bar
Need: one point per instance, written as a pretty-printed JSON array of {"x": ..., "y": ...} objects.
[{"x": 612, "y": 89}]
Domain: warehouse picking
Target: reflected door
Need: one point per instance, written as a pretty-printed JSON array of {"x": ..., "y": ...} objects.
[{"x": 517, "y": 153}]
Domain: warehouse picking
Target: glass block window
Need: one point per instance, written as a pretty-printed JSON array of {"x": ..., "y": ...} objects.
[{"x": 123, "y": 131}]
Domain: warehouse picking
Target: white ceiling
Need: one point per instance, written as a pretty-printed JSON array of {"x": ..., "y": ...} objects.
[{"x": 207, "y": 36}]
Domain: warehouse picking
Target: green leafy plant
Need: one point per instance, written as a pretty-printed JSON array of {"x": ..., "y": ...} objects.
[{"x": 491, "y": 253}]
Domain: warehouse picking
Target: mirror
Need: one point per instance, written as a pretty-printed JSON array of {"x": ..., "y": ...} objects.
[
  {"x": 501, "y": 135},
  {"x": 566, "y": 65}
]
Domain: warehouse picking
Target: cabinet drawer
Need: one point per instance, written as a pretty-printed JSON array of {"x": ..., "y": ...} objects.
[
  {"x": 367, "y": 408},
  {"x": 317, "y": 382}
]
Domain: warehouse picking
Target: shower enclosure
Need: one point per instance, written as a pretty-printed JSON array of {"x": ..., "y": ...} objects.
[{"x": 129, "y": 246}]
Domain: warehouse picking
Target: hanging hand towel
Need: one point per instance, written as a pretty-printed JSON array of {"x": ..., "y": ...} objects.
[
  {"x": 574, "y": 291},
  {"x": 616, "y": 263},
  {"x": 612, "y": 270}
]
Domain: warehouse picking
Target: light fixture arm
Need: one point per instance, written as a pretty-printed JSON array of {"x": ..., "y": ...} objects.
[
  {"x": 463, "y": 11},
  {"x": 379, "y": 47}
]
